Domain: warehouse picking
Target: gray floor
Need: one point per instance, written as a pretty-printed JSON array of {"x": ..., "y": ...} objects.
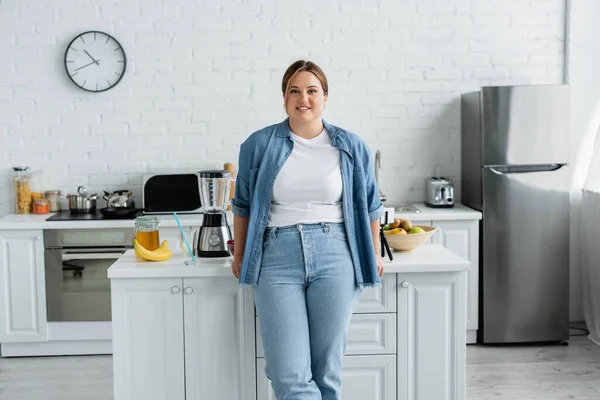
[
  {"x": 534, "y": 372},
  {"x": 524, "y": 372}
]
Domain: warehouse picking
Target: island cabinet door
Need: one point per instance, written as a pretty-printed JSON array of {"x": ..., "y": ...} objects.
[
  {"x": 22, "y": 287},
  {"x": 462, "y": 237},
  {"x": 219, "y": 339},
  {"x": 148, "y": 352},
  {"x": 431, "y": 336}
]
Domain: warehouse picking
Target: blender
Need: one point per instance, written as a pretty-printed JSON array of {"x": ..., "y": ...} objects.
[{"x": 212, "y": 237}]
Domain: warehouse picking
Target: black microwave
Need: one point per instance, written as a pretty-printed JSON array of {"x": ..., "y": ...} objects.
[{"x": 168, "y": 193}]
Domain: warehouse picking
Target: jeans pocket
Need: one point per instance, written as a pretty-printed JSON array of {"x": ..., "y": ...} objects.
[{"x": 268, "y": 239}]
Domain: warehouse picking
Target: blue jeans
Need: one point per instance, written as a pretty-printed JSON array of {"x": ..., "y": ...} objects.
[{"x": 304, "y": 299}]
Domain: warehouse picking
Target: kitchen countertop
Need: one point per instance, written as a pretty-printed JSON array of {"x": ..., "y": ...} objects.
[
  {"x": 32, "y": 221},
  {"x": 458, "y": 212},
  {"x": 425, "y": 258}
]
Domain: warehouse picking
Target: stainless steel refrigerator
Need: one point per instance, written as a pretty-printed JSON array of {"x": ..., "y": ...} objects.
[{"x": 515, "y": 170}]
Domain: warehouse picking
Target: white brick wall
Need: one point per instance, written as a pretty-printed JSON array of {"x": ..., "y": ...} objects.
[{"x": 202, "y": 76}]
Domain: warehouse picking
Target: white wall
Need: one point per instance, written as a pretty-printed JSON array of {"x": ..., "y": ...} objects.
[
  {"x": 583, "y": 66},
  {"x": 203, "y": 75}
]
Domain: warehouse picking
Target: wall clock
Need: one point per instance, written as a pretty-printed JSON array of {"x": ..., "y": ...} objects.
[{"x": 95, "y": 61}]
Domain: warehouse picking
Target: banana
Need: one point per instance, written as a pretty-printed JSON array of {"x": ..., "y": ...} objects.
[
  {"x": 156, "y": 255},
  {"x": 163, "y": 247}
]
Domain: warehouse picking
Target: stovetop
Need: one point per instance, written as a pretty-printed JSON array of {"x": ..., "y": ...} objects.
[{"x": 66, "y": 215}]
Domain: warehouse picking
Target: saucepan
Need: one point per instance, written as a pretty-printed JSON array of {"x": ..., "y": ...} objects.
[{"x": 81, "y": 201}]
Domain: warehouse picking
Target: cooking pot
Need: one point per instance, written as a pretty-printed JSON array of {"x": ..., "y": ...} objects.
[
  {"x": 82, "y": 201},
  {"x": 119, "y": 198}
]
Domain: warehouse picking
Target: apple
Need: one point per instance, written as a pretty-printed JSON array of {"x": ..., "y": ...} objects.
[{"x": 417, "y": 229}]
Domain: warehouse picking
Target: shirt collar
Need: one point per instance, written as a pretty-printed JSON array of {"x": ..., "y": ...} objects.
[
  {"x": 283, "y": 129},
  {"x": 335, "y": 134}
]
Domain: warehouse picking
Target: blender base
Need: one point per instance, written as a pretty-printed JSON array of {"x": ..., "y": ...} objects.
[
  {"x": 213, "y": 253},
  {"x": 213, "y": 236}
]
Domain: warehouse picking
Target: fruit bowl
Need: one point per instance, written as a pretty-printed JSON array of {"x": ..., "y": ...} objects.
[{"x": 409, "y": 241}]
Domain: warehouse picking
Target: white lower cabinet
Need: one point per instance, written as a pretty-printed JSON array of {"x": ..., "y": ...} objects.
[
  {"x": 177, "y": 339},
  {"x": 417, "y": 352},
  {"x": 148, "y": 347},
  {"x": 363, "y": 377},
  {"x": 369, "y": 377},
  {"x": 219, "y": 340},
  {"x": 22, "y": 287},
  {"x": 380, "y": 299},
  {"x": 431, "y": 336},
  {"x": 462, "y": 237}
]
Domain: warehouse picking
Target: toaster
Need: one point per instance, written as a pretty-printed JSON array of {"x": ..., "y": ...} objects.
[{"x": 439, "y": 192}]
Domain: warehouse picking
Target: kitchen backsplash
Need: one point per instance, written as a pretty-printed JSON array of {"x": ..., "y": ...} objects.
[{"x": 201, "y": 76}]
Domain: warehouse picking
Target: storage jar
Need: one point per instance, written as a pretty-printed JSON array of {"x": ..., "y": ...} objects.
[
  {"x": 53, "y": 197},
  {"x": 22, "y": 189},
  {"x": 41, "y": 206}
]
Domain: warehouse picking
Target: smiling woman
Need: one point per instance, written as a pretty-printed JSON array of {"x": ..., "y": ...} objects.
[
  {"x": 305, "y": 90},
  {"x": 306, "y": 220}
]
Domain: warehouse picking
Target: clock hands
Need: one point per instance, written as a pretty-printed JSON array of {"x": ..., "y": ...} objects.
[
  {"x": 93, "y": 59},
  {"x": 87, "y": 65}
]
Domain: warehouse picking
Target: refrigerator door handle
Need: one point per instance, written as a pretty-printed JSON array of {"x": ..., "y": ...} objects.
[
  {"x": 494, "y": 170},
  {"x": 521, "y": 169}
]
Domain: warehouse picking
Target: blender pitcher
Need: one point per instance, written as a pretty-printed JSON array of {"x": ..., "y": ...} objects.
[{"x": 214, "y": 186}]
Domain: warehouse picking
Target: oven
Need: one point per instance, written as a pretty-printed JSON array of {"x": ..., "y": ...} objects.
[{"x": 76, "y": 263}]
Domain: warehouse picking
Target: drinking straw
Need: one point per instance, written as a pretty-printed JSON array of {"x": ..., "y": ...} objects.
[{"x": 184, "y": 237}]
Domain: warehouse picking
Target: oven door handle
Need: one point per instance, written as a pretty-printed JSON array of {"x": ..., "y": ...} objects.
[{"x": 90, "y": 256}]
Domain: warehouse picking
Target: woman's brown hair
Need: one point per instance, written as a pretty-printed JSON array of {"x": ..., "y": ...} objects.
[{"x": 302, "y": 65}]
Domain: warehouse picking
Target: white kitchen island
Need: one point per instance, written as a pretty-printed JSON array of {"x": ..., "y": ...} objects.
[{"x": 190, "y": 331}]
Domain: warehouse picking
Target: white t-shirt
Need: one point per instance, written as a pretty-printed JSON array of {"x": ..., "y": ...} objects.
[{"x": 308, "y": 188}]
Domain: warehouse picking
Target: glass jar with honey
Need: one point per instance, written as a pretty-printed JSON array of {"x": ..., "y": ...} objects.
[{"x": 146, "y": 231}]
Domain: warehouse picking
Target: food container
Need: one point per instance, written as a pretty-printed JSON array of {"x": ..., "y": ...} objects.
[
  {"x": 21, "y": 177},
  {"x": 53, "y": 197},
  {"x": 41, "y": 206},
  {"x": 36, "y": 195},
  {"x": 409, "y": 241},
  {"x": 82, "y": 201},
  {"x": 146, "y": 232}
]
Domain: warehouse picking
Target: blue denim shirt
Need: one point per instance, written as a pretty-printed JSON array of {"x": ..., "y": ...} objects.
[{"x": 261, "y": 157}]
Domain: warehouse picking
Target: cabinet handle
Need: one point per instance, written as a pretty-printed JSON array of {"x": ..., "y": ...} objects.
[
  {"x": 175, "y": 289},
  {"x": 189, "y": 290},
  {"x": 404, "y": 284},
  {"x": 38, "y": 237}
]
